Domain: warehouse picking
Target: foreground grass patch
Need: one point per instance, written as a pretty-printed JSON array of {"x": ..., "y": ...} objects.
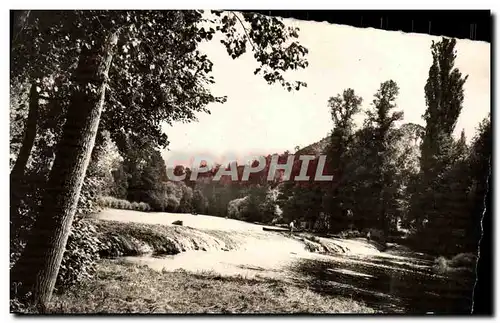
[{"x": 126, "y": 288}]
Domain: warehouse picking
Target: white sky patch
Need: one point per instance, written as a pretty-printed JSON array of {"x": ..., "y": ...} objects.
[{"x": 262, "y": 119}]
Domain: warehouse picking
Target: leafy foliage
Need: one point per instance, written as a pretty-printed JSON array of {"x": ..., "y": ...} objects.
[
  {"x": 81, "y": 254},
  {"x": 271, "y": 43},
  {"x": 441, "y": 201},
  {"x": 114, "y": 203},
  {"x": 343, "y": 108},
  {"x": 385, "y": 182}
]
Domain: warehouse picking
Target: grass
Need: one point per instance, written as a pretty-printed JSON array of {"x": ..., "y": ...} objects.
[{"x": 128, "y": 288}]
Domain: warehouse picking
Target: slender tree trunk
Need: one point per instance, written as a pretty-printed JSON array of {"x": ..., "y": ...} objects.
[
  {"x": 19, "y": 19},
  {"x": 29, "y": 135},
  {"x": 17, "y": 174},
  {"x": 38, "y": 266}
]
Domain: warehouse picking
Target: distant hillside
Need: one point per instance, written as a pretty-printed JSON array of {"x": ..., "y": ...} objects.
[
  {"x": 314, "y": 149},
  {"x": 411, "y": 133}
]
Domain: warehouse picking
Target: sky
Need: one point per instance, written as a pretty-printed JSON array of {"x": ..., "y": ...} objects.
[{"x": 262, "y": 119}]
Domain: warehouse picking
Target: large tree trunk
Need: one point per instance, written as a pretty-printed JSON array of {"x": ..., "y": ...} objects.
[
  {"x": 17, "y": 180},
  {"x": 37, "y": 269}
]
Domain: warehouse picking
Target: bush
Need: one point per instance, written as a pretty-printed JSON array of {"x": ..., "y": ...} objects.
[
  {"x": 123, "y": 204},
  {"x": 172, "y": 203},
  {"x": 376, "y": 235},
  {"x": 349, "y": 234},
  {"x": 441, "y": 264},
  {"x": 463, "y": 262},
  {"x": 114, "y": 203},
  {"x": 87, "y": 203},
  {"x": 156, "y": 199},
  {"x": 144, "y": 207},
  {"x": 81, "y": 255},
  {"x": 186, "y": 203},
  {"x": 314, "y": 239},
  {"x": 199, "y": 202},
  {"x": 237, "y": 207},
  {"x": 18, "y": 306}
]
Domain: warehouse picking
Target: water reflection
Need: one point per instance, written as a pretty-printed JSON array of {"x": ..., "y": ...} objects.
[{"x": 389, "y": 284}]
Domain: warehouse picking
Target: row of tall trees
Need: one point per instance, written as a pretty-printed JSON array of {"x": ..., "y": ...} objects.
[
  {"x": 363, "y": 163},
  {"x": 395, "y": 176},
  {"x": 443, "y": 208}
]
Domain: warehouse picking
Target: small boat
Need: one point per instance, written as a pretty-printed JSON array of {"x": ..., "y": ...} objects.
[{"x": 275, "y": 229}]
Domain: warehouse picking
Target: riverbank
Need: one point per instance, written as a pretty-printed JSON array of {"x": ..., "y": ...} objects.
[{"x": 228, "y": 266}]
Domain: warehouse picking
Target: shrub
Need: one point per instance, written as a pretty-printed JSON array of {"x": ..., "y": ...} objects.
[
  {"x": 199, "y": 202},
  {"x": 314, "y": 239},
  {"x": 143, "y": 207},
  {"x": 172, "y": 203},
  {"x": 463, "y": 262},
  {"x": 88, "y": 201},
  {"x": 19, "y": 306},
  {"x": 441, "y": 265},
  {"x": 186, "y": 202},
  {"x": 81, "y": 254},
  {"x": 237, "y": 207},
  {"x": 349, "y": 234},
  {"x": 376, "y": 235},
  {"x": 114, "y": 203},
  {"x": 122, "y": 204},
  {"x": 156, "y": 199}
]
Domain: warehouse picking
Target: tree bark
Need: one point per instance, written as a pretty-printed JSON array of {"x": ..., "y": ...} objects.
[
  {"x": 19, "y": 19},
  {"x": 38, "y": 267},
  {"x": 17, "y": 174},
  {"x": 29, "y": 134}
]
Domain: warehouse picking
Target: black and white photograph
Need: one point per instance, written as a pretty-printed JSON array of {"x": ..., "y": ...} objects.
[{"x": 249, "y": 161}]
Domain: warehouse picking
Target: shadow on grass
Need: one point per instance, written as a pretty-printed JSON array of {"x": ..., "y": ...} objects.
[{"x": 388, "y": 285}]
